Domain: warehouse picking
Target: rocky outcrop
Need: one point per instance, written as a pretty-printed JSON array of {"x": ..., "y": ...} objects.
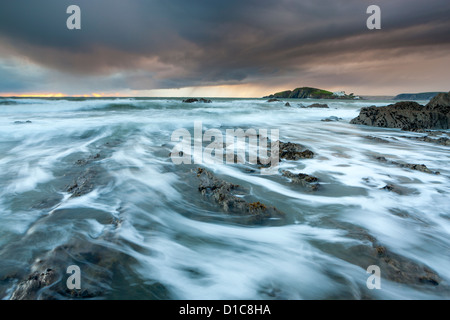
[
  {"x": 408, "y": 115},
  {"x": 440, "y": 101},
  {"x": 274, "y": 100}
]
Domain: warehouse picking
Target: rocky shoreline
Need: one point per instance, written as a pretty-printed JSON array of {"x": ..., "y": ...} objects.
[{"x": 408, "y": 115}]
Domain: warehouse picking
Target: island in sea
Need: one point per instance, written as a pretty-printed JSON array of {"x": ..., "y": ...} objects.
[{"x": 311, "y": 93}]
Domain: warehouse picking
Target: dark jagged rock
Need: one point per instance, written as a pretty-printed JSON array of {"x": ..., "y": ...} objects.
[
  {"x": 417, "y": 167},
  {"x": 287, "y": 104},
  {"x": 303, "y": 179},
  {"x": 294, "y": 151},
  {"x": 408, "y": 115},
  {"x": 192, "y": 100},
  {"x": 274, "y": 100},
  {"x": 224, "y": 193},
  {"x": 28, "y": 289},
  {"x": 87, "y": 179},
  {"x": 441, "y": 100}
]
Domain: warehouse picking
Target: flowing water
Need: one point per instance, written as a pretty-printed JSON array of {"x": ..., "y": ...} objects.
[{"x": 142, "y": 230}]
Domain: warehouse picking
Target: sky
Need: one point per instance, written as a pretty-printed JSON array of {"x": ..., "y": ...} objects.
[{"x": 233, "y": 48}]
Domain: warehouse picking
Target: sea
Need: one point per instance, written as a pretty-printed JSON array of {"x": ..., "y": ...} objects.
[{"x": 91, "y": 183}]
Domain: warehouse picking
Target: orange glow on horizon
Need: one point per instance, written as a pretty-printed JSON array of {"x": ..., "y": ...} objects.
[{"x": 60, "y": 95}]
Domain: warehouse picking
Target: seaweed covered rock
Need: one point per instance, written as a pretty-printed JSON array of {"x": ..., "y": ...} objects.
[
  {"x": 227, "y": 195},
  {"x": 294, "y": 151},
  {"x": 303, "y": 179}
]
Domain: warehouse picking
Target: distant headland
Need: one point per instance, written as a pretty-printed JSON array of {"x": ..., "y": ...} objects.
[{"x": 417, "y": 96}]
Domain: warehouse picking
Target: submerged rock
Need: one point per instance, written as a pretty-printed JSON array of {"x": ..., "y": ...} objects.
[
  {"x": 408, "y": 115},
  {"x": 394, "y": 266},
  {"x": 287, "y": 104},
  {"x": 397, "y": 189},
  {"x": 303, "y": 179},
  {"x": 226, "y": 195},
  {"x": 274, "y": 100}
]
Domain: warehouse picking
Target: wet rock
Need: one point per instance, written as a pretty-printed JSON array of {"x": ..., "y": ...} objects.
[
  {"x": 274, "y": 100},
  {"x": 48, "y": 278},
  {"x": 397, "y": 189},
  {"x": 229, "y": 197},
  {"x": 192, "y": 100},
  {"x": 394, "y": 266},
  {"x": 408, "y": 115},
  {"x": 294, "y": 151},
  {"x": 83, "y": 162},
  {"x": 287, "y": 104},
  {"x": 303, "y": 179},
  {"x": 402, "y": 270},
  {"x": 83, "y": 184},
  {"x": 442, "y": 100},
  {"x": 28, "y": 289}
]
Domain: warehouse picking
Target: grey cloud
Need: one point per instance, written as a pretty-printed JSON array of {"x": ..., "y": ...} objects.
[{"x": 178, "y": 43}]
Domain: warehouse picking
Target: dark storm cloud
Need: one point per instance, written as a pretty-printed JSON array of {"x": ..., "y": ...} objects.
[{"x": 178, "y": 43}]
